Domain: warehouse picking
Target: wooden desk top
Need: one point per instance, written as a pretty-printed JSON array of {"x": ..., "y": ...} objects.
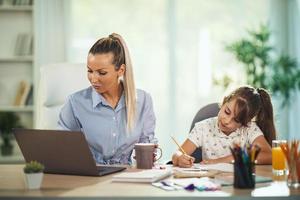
[{"x": 54, "y": 186}]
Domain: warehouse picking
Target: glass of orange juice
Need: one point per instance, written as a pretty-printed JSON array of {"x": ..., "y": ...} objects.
[{"x": 279, "y": 166}]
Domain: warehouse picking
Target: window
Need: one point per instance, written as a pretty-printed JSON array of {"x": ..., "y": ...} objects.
[{"x": 177, "y": 46}]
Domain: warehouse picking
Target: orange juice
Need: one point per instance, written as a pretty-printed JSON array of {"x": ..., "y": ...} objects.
[{"x": 278, "y": 159}]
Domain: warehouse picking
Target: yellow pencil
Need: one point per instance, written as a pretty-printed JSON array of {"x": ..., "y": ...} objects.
[{"x": 181, "y": 149}]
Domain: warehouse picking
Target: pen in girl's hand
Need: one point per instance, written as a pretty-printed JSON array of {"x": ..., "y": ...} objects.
[{"x": 182, "y": 150}]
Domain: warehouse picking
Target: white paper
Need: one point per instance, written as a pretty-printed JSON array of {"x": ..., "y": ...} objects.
[
  {"x": 150, "y": 175},
  {"x": 224, "y": 167}
]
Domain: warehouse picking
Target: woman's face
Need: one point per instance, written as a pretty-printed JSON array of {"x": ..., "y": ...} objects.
[
  {"x": 101, "y": 72},
  {"x": 226, "y": 118}
]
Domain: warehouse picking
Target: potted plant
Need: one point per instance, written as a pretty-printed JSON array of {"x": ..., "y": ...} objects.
[
  {"x": 8, "y": 120},
  {"x": 34, "y": 174},
  {"x": 264, "y": 67}
]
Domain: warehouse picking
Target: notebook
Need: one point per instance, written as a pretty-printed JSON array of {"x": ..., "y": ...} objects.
[
  {"x": 223, "y": 167},
  {"x": 227, "y": 180},
  {"x": 144, "y": 176}
]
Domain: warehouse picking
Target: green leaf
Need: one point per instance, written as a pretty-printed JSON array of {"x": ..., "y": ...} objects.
[
  {"x": 33, "y": 167},
  {"x": 278, "y": 73}
]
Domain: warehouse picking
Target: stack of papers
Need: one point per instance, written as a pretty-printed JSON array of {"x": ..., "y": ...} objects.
[
  {"x": 202, "y": 170},
  {"x": 223, "y": 167},
  {"x": 192, "y": 172},
  {"x": 144, "y": 176}
]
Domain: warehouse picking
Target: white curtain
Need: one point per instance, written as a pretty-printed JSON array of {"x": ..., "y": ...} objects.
[
  {"x": 177, "y": 47},
  {"x": 294, "y": 51},
  {"x": 50, "y": 46},
  {"x": 284, "y": 21},
  {"x": 50, "y": 31}
]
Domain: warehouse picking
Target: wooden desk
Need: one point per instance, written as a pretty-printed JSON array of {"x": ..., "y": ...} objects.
[{"x": 12, "y": 186}]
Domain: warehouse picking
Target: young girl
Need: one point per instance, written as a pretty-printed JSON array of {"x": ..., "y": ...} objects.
[{"x": 246, "y": 116}]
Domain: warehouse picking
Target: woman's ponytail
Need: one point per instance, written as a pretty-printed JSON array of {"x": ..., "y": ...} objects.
[{"x": 129, "y": 85}]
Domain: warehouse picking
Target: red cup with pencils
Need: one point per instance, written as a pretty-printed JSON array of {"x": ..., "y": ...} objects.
[{"x": 244, "y": 165}]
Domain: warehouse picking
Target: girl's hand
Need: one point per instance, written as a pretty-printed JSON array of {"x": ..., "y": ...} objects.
[{"x": 185, "y": 161}]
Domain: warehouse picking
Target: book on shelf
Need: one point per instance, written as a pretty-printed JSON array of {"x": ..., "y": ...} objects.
[
  {"x": 29, "y": 99},
  {"x": 24, "y": 44},
  {"x": 16, "y": 2},
  {"x": 22, "y": 93}
]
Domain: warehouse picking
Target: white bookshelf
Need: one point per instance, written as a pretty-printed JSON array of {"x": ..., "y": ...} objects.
[
  {"x": 16, "y": 20},
  {"x": 17, "y": 63},
  {"x": 16, "y": 158},
  {"x": 9, "y": 8},
  {"x": 17, "y": 59},
  {"x": 16, "y": 108}
]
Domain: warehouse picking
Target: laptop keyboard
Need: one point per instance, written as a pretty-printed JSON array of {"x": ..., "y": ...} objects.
[{"x": 108, "y": 169}]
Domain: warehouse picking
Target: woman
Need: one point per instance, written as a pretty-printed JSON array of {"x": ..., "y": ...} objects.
[
  {"x": 111, "y": 113},
  {"x": 245, "y": 117}
]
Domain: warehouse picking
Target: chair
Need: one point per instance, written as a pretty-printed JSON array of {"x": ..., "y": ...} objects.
[
  {"x": 208, "y": 111},
  {"x": 56, "y": 82}
]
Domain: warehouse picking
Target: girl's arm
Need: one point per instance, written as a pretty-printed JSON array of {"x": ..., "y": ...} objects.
[
  {"x": 226, "y": 159},
  {"x": 265, "y": 155},
  {"x": 184, "y": 160}
]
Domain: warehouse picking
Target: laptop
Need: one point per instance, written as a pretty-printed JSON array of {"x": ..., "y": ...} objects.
[{"x": 61, "y": 152}]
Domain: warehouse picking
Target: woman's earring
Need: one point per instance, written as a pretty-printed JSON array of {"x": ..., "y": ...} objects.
[{"x": 120, "y": 79}]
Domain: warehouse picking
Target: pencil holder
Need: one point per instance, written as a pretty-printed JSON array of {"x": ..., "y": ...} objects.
[
  {"x": 244, "y": 165},
  {"x": 244, "y": 175}
]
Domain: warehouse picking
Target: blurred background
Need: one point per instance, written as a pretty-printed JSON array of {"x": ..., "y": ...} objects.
[{"x": 185, "y": 53}]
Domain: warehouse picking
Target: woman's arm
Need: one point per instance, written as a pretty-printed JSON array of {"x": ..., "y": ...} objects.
[
  {"x": 149, "y": 119},
  {"x": 184, "y": 160},
  {"x": 265, "y": 155},
  {"x": 67, "y": 119}
]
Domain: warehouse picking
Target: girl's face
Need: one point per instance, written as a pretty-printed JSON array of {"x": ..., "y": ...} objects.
[
  {"x": 226, "y": 118},
  {"x": 101, "y": 72}
]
